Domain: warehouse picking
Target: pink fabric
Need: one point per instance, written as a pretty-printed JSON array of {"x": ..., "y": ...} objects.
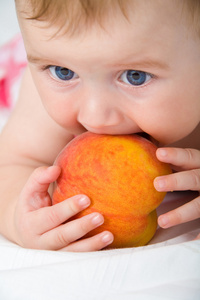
[{"x": 12, "y": 63}]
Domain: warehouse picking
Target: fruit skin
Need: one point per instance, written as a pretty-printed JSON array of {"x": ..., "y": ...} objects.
[{"x": 116, "y": 173}]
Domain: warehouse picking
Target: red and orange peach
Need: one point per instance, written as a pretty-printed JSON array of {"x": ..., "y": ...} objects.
[{"x": 116, "y": 173}]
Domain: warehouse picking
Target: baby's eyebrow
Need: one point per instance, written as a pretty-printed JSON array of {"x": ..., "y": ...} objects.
[
  {"x": 137, "y": 65},
  {"x": 39, "y": 60},
  {"x": 134, "y": 65}
]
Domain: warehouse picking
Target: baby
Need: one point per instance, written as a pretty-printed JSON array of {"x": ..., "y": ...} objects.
[{"x": 109, "y": 67}]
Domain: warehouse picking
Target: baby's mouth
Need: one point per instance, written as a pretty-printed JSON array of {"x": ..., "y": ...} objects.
[{"x": 149, "y": 138}]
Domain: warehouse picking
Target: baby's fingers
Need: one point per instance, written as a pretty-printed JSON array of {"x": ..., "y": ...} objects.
[
  {"x": 50, "y": 217},
  {"x": 68, "y": 233},
  {"x": 181, "y": 181},
  {"x": 185, "y": 213},
  {"x": 94, "y": 243},
  {"x": 35, "y": 192},
  {"x": 184, "y": 159}
]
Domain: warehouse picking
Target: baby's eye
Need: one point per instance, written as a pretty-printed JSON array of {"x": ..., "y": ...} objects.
[
  {"x": 62, "y": 73},
  {"x": 134, "y": 77}
]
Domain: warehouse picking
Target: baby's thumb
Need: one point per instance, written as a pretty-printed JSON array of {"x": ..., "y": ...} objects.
[{"x": 35, "y": 192}]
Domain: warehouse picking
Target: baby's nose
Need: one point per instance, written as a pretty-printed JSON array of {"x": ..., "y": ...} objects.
[
  {"x": 98, "y": 118},
  {"x": 95, "y": 114}
]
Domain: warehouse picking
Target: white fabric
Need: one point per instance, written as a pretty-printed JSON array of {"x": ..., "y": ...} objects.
[
  {"x": 170, "y": 272},
  {"x": 168, "y": 268}
]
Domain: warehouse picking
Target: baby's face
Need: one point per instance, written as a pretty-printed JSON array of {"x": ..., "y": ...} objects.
[{"x": 137, "y": 75}]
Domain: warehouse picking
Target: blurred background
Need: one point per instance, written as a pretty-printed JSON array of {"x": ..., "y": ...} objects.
[
  {"x": 8, "y": 29},
  {"x": 8, "y": 21}
]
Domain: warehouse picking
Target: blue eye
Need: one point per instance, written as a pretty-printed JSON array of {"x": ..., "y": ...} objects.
[
  {"x": 134, "y": 77},
  {"x": 62, "y": 73}
]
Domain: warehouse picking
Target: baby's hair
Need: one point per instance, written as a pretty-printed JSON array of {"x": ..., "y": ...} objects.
[
  {"x": 72, "y": 16},
  {"x": 76, "y": 15}
]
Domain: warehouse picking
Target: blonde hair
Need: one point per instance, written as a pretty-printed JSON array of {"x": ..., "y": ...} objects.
[{"x": 74, "y": 15}]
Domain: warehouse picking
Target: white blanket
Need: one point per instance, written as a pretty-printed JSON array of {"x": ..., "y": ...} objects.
[{"x": 168, "y": 268}]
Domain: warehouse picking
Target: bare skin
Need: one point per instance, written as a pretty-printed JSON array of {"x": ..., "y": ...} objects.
[{"x": 100, "y": 98}]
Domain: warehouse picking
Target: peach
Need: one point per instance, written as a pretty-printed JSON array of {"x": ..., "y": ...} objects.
[{"x": 116, "y": 173}]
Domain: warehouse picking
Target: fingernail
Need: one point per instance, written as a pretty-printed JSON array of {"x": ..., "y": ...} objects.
[
  {"x": 107, "y": 238},
  {"x": 163, "y": 221},
  {"x": 97, "y": 219},
  {"x": 160, "y": 184},
  {"x": 84, "y": 201},
  {"x": 162, "y": 152}
]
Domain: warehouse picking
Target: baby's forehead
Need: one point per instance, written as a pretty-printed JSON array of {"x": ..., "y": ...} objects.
[{"x": 79, "y": 15}]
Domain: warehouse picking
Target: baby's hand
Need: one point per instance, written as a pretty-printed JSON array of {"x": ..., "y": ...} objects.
[
  {"x": 187, "y": 163},
  {"x": 40, "y": 225}
]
